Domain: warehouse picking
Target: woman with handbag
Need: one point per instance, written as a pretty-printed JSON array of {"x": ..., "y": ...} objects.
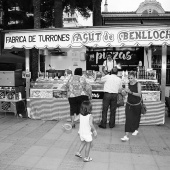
[
  {"x": 133, "y": 107},
  {"x": 78, "y": 90}
]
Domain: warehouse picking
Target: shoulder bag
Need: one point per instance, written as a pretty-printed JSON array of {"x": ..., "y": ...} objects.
[
  {"x": 120, "y": 100},
  {"x": 143, "y": 107}
]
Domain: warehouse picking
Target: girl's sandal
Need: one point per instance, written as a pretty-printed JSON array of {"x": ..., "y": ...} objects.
[
  {"x": 78, "y": 155},
  {"x": 87, "y": 159}
]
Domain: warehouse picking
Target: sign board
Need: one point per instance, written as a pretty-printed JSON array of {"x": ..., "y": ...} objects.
[
  {"x": 90, "y": 36},
  {"x": 125, "y": 57}
]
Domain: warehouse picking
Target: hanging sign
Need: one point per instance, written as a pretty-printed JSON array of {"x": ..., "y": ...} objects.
[
  {"x": 94, "y": 37},
  {"x": 123, "y": 56}
]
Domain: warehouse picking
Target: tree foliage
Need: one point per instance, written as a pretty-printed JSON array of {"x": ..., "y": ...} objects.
[
  {"x": 51, "y": 14},
  {"x": 14, "y": 17}
]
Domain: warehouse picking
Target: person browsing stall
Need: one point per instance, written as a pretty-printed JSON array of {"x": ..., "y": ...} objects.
[
  {"x": 133, "y": 107},
  {"x": 108, "y": 64},
  {"x": 112, "y": 85},
  {"x": 78, "y": 90}
]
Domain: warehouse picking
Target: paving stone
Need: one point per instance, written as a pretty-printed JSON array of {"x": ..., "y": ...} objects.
[
  {"x": 142, "y": 159},
  {"x": 155, "y": 141},
  {"x": 140, "y": 139},
  {"x": 16, "y": 127},
  {"x": 101, "y": 147},
  {"x": 62, "y": 144},
  {"x": 71, "y": 158},
  {"x": 6, "y": 160},
  {"x": 120, "y": 158},
  {"x": 13, "y": 152},
  {"x": 16, "y": 167},
  {"x": 4, "y": 146},
  {"x": 35, "y": 135},
  {"x": 56, "y": 153},
  {"x": 26, "y": 161},
  {"x": 164, "y": 168},
  {"x": 71, "y": 165},
  {"x": 162, "y": 160},
  {"x": 10, "y": 140},
  {"x": 140, "y": 150},
  {"x": 26, "y": 141},
  {"x": 6, "y": 132},
  {"x": 162, "y": 151},
  {"x": 96, "y": 166},
  {"x": 151, "y": 145},
  {"x": 20, "y": 134},
  {"x": 147, "y": 167},
  {"x": 119, "y": 148},
  {"x": 122, "y": 166},
  {"x": 38, "y": 169},
  {"x": 3, "y": 165},
  {"x": 37, "y": 151},
  {"x": 2, "y": 137},
  {"x": 45, "y": 142},
  {"x": 48, "y": 163}
]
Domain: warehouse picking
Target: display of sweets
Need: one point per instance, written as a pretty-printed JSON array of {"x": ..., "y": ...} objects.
[
  {"x": 150, "y": 86},
  {"x": 144, "y": 74}
]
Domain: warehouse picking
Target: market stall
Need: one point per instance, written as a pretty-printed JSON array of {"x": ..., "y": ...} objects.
[
  {"x": 49, "y": 100},
  {"x": 50, "y": 103}
]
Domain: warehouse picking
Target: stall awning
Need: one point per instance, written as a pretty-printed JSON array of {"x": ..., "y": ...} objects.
[{"x": 90, "y": 36}]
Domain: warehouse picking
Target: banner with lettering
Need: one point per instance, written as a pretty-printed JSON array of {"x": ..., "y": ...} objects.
[
  {"x": 125, "y": 57},
  {"x": 90, "y": 36}
]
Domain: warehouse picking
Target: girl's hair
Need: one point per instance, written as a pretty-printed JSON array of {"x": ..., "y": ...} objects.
[
  {"x": 78, "y": 71},
  {"x": 85, "y": 108}
]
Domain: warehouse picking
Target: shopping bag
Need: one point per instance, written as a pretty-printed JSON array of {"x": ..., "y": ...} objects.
[
  {"x": 120, "y": 100},
  {"x": 143, "y": 108}
]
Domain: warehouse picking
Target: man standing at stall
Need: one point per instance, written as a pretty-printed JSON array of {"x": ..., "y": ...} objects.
[
  {"x": 112, "y": 85},
  {"x": 108, "y": 64}
]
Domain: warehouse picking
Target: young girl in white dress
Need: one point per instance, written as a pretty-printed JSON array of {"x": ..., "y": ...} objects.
[{"x": 86, "y": 130}]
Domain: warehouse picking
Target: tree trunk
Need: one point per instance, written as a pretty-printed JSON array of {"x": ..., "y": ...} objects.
[
  {"x": 6, "y": 14},
  {"x": 37, "y": 13},
  {"x": 58, "y": 14},
  {"x": 97, "y": 19},
  {"x": 35, "y": 52}
]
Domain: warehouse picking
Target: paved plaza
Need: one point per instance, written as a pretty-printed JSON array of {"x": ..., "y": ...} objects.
[{"x": 27, "y": 144}]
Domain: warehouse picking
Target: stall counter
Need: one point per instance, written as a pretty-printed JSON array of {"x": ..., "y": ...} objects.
[
  {"x": 56, "y": 89},
  {"x": 48, "y": 101},
  {"x": 58, "y": 108}
]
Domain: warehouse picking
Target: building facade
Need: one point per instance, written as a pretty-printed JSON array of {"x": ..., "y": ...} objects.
[{"x": 149, "y": 12}]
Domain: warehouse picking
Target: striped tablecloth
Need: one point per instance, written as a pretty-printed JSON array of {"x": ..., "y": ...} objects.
[{"x": 57, "y": 109}]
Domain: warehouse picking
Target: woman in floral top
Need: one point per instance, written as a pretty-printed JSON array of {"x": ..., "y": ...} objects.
[{"x": 78, "y": 90}]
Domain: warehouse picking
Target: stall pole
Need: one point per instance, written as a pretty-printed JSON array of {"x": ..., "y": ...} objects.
[
  {"x": 27, "y": 67},
  {"x": 39, "y": 60},
  {"x": 149, "y": 57},
  {"x": 163, "y": 73}
]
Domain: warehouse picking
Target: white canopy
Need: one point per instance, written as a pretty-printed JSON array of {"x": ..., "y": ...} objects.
[{"x": 90, "y": 36}]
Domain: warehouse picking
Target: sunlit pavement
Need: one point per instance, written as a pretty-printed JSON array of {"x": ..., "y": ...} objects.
[{"x": 27, "y": 144}]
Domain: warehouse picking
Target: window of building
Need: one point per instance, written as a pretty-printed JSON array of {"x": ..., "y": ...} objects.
[{"x": 157, "y": 63}]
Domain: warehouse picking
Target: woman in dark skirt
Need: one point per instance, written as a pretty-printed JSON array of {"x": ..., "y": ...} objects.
[{"x": 133, "y": 107}]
